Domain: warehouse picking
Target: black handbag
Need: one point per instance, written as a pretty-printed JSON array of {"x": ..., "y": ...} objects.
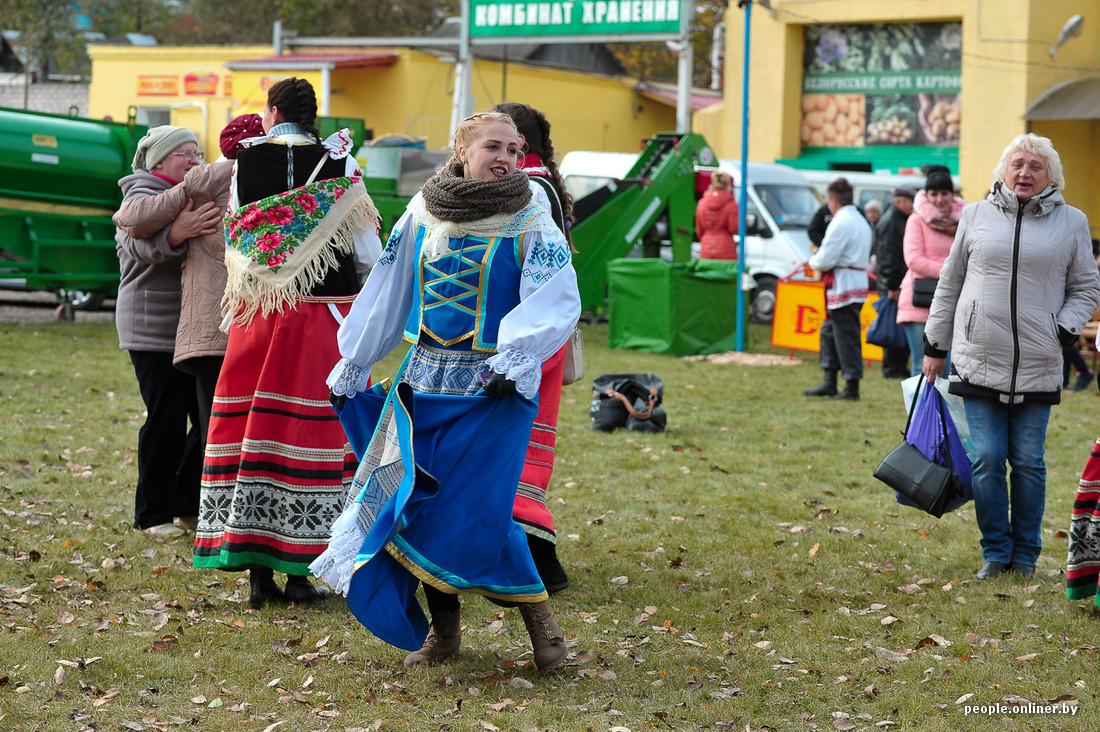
[
  {"x": 627, "y": 400},
  {"x": 884, "y": 329},
  {"x": 924, "y": 289},
  {"x": 910, "y": 472}
]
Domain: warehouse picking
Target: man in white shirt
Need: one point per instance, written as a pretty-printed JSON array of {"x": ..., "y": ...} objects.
[{"x": 842, "y": 263}]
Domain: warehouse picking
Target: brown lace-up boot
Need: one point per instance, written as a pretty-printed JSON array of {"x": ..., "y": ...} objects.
[
  {"x": 443, "y": 639},
  {"x": 546, "y": 637}
]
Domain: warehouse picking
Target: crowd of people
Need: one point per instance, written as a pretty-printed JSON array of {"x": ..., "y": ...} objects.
[{"x": 239, "y": 276}]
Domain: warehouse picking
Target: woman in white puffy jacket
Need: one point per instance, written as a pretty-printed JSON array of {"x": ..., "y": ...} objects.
[{"x": 1020, "y": 282}]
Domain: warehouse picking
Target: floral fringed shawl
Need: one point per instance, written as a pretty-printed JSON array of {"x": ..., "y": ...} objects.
[{"x": 279, "y": 247}]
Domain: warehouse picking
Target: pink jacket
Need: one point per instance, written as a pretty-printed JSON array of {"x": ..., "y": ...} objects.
[{"x": 925, "y": 251}]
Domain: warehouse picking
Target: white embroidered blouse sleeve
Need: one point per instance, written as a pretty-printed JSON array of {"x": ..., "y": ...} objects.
[
  {"x": 367, "y": 245},
  {"x": 375, "y": 325},
  {"x": 549, "y": 307},
  {"x": 538, "y": 195}
]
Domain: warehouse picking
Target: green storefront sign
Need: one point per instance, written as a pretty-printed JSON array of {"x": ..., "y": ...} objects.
[
  {"x": 905, "y": 82},
  {"x": 490, "y": 18}
]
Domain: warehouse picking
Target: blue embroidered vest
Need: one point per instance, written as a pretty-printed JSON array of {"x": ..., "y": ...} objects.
[{"x": 465, "y": 293}]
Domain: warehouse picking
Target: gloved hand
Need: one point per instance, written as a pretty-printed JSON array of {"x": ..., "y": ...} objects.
[
  {"x": 337, "y": 401},
  {"x": 500, "y": 386}
]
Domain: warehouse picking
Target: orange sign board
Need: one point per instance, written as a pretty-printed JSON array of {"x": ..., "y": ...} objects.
[
  {"x": 158, "y": 85},
  {"x": 800, "y": 311},
  {"x": 267, "y": 81},
  {"x": 200, "y": 84}
]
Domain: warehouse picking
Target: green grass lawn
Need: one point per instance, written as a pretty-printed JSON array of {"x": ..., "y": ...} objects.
[{"x": 741, "y": 570}]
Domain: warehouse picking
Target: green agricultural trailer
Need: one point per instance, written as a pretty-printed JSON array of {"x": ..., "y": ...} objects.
[
  {"x": 654, "y": 203},
  {"x": 58, "y": 189}
]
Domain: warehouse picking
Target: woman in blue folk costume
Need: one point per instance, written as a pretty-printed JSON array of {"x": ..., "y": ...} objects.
[{"x": 480, "y": 280}]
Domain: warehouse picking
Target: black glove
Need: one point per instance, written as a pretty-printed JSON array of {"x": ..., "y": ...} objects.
[
  {"x": 337, "y": 401},
  {"x": 500, "y": 386},
  {"x": 1065, "y": 338}
]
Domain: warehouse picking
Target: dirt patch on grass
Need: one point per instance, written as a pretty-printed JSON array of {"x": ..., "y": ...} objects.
[{"x": 747, "y": 359}]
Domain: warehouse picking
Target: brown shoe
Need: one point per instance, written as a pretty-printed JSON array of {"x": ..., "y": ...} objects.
[
  {"x": 443, "y": 639},
  {"x": 546, "y": 637}
]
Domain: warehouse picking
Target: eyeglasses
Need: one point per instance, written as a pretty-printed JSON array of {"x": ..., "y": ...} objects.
[{"x": 189, "y": 155}]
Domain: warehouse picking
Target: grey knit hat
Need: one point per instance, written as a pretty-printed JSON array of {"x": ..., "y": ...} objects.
[{"x": 157, "y": 143}]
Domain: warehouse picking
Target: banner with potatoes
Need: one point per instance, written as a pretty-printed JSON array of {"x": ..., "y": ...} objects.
[{"x": 882, "y": 84}]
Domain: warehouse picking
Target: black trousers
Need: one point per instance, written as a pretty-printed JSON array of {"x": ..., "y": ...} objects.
[
  {"x": 206, "y": 369},
  {"x": 169, "y": 454},
  {"x": 895, "y": 362},
  {"x": 840, "y": 345}
]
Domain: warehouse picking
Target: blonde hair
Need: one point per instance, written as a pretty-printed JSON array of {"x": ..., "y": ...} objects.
[
  {"x": 469, "y": 129},
  {"x": 1036, "y": 145},
  {"x": 719, "y": 181}
]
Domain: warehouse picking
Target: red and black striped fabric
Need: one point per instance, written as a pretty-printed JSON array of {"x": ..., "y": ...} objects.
[
  {"x": 530, "y": 510},
  {"x": 278, "y": 464},
  {"x": 1083, "y": 562}
]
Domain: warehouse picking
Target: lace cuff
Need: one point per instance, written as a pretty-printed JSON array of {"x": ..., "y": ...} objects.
[
  {"x": 520, "y": 367},
  {"x": 347, "y": 379}
]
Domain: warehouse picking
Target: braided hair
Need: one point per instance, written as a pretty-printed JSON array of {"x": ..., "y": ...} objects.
[
  {"x": 297, "y": 103},
  {"x": 535, "y": 128}
]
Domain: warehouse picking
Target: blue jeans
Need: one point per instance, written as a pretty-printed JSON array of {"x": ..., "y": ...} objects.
[
  {"x": 1015, "y": 434},
  {"x": 914, "y": 334}
]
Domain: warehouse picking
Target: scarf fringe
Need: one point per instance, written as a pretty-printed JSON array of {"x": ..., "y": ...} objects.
[{"x": 246, "y": 294}]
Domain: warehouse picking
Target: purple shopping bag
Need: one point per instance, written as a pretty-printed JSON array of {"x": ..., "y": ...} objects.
[{"x": 926, "y": 433}]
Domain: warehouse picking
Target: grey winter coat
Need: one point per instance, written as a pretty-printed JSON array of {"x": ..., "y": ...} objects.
[
  {"x": 1019, "y": 284},
  {"x": 147, "y": 310}
]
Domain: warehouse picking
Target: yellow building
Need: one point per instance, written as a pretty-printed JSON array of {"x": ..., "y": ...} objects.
[
  {"x": 185, "y": 86},
  {"x": 987, "y": 64},
  {"x": 393, "y": 90}
]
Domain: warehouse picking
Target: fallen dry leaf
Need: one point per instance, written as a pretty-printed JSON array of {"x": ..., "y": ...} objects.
[
  {"x": 889, "y": 655},
  {"x": 165, "y": 643},
  {"x": 932, "y": 639}
]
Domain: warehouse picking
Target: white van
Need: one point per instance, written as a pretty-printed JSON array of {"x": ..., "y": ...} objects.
[
  {"x": 780, "y": 204},
  {"x": 866, "y": 186}
]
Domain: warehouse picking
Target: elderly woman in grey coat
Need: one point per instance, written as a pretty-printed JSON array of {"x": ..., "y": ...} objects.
[
  {"x": 147, "y": 313},
  {"x": 1019, "y": 283}
]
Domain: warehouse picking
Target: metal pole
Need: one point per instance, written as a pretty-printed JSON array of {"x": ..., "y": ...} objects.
[
  {"x": 326, "y": 88},
  {"x": 684, "y": 68},
  {"x": 463, "y": 94},
  {"x": 743, "y": 203},
  {"x": 717, "y": 54}
]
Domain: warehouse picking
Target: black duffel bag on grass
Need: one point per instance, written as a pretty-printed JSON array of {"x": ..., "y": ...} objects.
[{"x": 627, "y": 400}]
